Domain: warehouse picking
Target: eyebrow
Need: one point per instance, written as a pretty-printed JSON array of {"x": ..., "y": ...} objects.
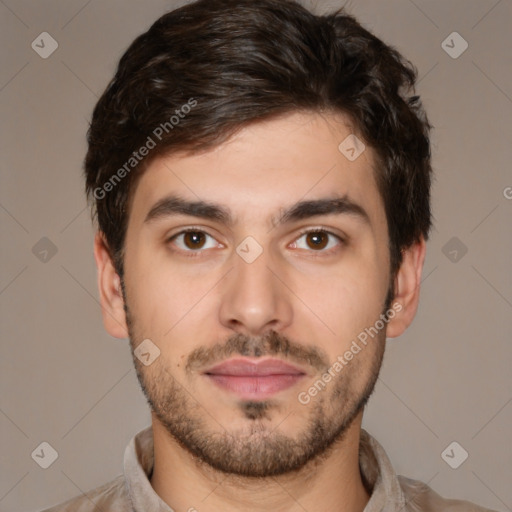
[{"x": 173, "y": 205}]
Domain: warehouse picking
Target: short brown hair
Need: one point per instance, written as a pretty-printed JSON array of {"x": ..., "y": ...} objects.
[{"x": 209, "y": 68}]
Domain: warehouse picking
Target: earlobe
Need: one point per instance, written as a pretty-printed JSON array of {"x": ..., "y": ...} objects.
[
  {"x": 109, "y": 285},
  {"x": 407, "y": 288}
]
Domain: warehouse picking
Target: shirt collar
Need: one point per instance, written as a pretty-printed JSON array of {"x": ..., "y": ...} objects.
[
  {"x": 138, "y": 467},
  {"x": 380, "y": 477},
  {"x": 376, "y": 470}
]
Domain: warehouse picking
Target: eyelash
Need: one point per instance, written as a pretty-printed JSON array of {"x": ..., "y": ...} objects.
[{"x": 320, "y": 253}]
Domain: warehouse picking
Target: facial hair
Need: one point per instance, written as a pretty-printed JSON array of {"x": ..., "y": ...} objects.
[{"x": 259, "y": 450}]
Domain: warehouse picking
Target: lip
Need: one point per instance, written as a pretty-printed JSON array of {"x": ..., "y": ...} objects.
[{"x": 254, "y": 380}]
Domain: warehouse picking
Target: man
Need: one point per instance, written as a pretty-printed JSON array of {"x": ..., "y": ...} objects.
[{"x": 261, "y": 178}]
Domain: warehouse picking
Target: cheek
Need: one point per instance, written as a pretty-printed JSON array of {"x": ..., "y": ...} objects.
[
  {"x": 347, "y": 299},
  {"x": 151, "y": 292},
  {"x": 167, "y": 301}
]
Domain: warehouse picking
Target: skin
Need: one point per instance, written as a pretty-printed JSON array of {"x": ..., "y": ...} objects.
[{"x": 294, "y": 302}]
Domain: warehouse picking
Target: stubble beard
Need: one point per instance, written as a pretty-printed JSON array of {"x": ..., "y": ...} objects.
[{"x": 260, "y": 448}]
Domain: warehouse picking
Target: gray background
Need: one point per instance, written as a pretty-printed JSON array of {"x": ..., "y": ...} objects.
[{"x": 65, "y": 381}]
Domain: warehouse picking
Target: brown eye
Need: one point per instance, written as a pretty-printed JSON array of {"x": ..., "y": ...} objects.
[
  {"x": 317, "y": 239},
  {"x": 194, "y": 239}
]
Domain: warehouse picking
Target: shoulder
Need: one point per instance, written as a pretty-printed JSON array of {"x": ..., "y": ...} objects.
[
  {"x": 111, "y": 496},
  {"x": 419, "y": 497}
]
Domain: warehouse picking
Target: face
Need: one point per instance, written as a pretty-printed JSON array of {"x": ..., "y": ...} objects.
[{"x": 256, "y": 269}]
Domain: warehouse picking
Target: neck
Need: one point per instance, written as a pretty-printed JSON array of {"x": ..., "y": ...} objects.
[{"x": 330, "y": 482}]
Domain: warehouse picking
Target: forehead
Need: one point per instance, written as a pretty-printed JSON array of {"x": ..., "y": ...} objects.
[{"x": 266, "y": 167}]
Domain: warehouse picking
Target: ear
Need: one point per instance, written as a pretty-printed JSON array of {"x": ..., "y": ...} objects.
[
  {"x": 109, "y": 285},
  {"x": 407, "y": 289}
]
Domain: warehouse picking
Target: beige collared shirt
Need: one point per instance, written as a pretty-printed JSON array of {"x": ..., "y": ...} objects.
[{"x": 132, "y": 492}]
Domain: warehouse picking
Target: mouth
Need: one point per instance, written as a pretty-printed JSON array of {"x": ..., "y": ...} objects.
[{"x": 254, "y": 380}]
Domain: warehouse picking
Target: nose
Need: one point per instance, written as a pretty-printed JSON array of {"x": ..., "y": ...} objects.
[{"x": 255, "y": 298}]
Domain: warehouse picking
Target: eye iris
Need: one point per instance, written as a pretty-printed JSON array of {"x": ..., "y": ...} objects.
[
  {"x": 318, "y": 239},
  {"x": 194, "y": 239}
]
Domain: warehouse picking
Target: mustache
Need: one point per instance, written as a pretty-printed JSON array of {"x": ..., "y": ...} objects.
[{"x": 271, "y": 344}]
